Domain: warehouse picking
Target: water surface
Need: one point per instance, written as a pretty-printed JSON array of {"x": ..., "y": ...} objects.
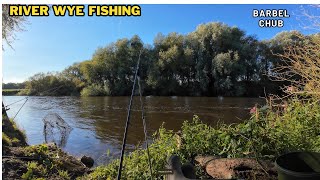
[{"x": 98, "y": 122}]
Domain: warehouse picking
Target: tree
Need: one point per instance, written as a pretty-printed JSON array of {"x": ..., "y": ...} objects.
[
  {"x": 112, "y": 67},
  {"x": 299, "y": 60},
  {"x": 49, "y": 84},
  {"x": 11, "y": 25},
  {"x": 224, "y": 65},
  {"x": 213, "y": 60},
  {"x": 73, "y": 74},
  {"x": 215, "y": 40},
  {"x": 268, "y": 59}
]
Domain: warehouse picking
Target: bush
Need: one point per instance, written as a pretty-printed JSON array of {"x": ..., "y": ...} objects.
[
  {"x": 95, "y": 90},
  {"x": 50, "y": 84},
  {"x": 266, "y": 135},
  {"x": 301, "y": 68}
]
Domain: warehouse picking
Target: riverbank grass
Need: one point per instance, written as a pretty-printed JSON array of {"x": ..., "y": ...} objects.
[
  {"x": 266, "y": 135},
  {"x": 12, "y": 135},
  {"x": 44, "y": 161},
  {"x": 11, "y": 92}
]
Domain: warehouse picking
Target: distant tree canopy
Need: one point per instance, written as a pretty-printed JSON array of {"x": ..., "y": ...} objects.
[
  {"x": 213, "y": 60},
  {"x": 47, "y": 84},
  {"x": 13, "y": 85}
]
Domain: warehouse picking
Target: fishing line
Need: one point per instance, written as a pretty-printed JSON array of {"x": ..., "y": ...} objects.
[
  {"x": 144, "y": 127},
  {"x": 20, "y": 108},
  {"x": 54, "y": 88},
  {"x": 16, "y": 101},
  {"x": 128, "y": 120}
]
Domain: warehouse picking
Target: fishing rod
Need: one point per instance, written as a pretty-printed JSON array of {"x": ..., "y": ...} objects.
[{"x": 128, "y": 121}]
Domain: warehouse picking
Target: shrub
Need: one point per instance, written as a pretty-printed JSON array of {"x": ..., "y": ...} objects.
[
  {"x": 301, "y": 68},
  {"x": 95, "y": 90},
  {"x": 266, "y": 134},
  {"x": 136, "y": 164}
]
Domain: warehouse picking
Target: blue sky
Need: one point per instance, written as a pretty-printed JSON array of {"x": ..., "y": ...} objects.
[{"x": 53, "y": 43}]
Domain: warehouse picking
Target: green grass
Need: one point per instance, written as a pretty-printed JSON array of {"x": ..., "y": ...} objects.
[
  {"x": 16, "y": 128},
  {"x": 34, "y": 170},
  {"x": 64, "y": 174},
  {"x": 46, "y": 166},
  {"x": 6, "y": 140},
  {"x": 11, "y": 92},
  {"x": 12, "y": 135}
]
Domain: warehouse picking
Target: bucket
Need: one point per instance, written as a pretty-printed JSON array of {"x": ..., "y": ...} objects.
[{"x": 298, "y": 166}]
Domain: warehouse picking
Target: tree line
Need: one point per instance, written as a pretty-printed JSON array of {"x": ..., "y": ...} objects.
[{"x": 213, "y": 60}]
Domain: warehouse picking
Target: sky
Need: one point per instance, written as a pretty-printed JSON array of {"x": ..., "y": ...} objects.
[{"x": 54, "y": 43}]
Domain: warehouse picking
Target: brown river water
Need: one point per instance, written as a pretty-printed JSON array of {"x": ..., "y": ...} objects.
[{"x": 98, "y": 122}]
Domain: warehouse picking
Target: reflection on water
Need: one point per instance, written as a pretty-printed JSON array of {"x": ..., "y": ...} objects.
[{"x": 98, "y": 122}]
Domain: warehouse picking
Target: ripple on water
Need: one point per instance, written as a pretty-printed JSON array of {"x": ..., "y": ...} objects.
[{"x": 98, "y": 122}]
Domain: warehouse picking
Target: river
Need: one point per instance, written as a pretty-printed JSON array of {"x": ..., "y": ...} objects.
[{"x": 98, "y": 122}]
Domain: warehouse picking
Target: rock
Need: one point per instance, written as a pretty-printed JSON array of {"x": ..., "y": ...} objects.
[
  {"x": 228, "y": 168},
  {"x": 203, "y": 160},
  {"x": 87, "y": 161}
]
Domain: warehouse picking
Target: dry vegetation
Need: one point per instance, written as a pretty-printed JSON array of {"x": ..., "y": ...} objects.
[{"x": 301, "y": 68}]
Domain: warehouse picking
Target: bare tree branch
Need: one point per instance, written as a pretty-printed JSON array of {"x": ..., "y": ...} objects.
[{"x": 11, "y": 25}]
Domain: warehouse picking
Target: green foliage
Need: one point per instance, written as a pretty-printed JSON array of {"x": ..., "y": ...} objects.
[
  {"x": 48, "y": 166},
  {"x": 95, "y": 90},
  {"x": 269, "y": 134},
  {"x": 34, "y": 170},
  {"x": 6, "y": 140},
  {"x": 64, "y": 174},
  {"x": 13, "y": 85},
  {"x": 49, "y": 84},
  {"x": 136, "y": 164},
  {"x": 10, "y": 92},
  {"x": 213, "y": 60},
  {"x": 12, "y": 135},
  {"x": 266, "y": 135},
  {"x": 45, "y": 158},
  {"x": 31, "y": 167}
]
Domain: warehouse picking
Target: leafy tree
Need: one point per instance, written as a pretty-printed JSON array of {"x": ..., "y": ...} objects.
[
  {"x": 73, "y": 74},
  {"x": 49, "y": 84},
  {"x": 223, "y": 69},
  {"x": 213, "y": 60}
]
